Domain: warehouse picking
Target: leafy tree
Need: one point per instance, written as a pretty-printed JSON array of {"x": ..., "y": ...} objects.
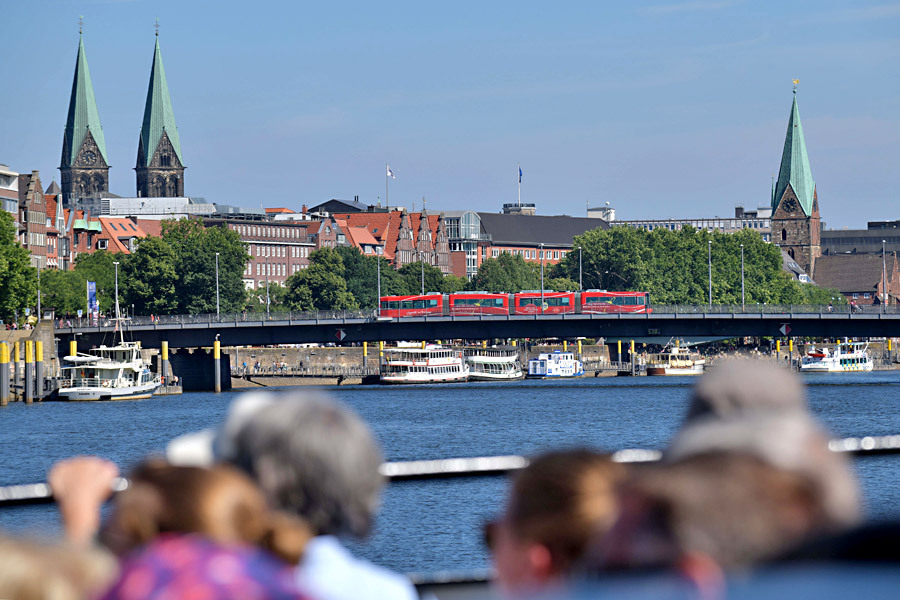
[
  {"x": 507, "y": 273},
  {"x": 18, "y": 279},
  {"x": 62, "y": 291},
  {"x": 452, "y": 284},
  {"x": 151, "y": 277},
  {"x": 411, "y": 276},
  {"x": 361, "y": 275},
  {"x": 321, "y": 286},
  {"x": 256, "y": 299},
  {"x": 98, "y": 267},
  {"x": 560, "y": 284}
]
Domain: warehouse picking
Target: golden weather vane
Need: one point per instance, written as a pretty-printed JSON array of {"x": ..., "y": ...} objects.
[{"x": 796, "y": 81}]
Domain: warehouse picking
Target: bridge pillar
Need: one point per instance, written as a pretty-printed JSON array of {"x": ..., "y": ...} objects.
[
  {"x": 217, "y": 366},
  {"x": 39, "y": 369},
  {"x": 4, "y": 373},
  {"x": 29, "y": 372},
  {"x": 164, "y": 361}
]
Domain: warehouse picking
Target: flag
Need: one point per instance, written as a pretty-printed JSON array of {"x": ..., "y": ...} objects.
[
  {"x": 389, "y": 172},
  {"x": 93, "y": 303},
  {"x": 520, "y": 174}
]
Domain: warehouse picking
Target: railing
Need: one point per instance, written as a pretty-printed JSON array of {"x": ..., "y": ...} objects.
[{"x": 323, "y": 371}]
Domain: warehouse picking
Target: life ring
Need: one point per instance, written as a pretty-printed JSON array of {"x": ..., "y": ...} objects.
[{"x": 106, "y": 383}]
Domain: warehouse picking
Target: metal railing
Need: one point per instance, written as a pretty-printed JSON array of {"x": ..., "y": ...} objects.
[{"x": 315, "y": 371}]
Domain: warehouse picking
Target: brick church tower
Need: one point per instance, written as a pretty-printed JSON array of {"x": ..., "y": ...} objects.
[
  {"x": 84, "y": 168},
  {"x": 160, "y": 168},
  {"x": 796, "y": 226}
]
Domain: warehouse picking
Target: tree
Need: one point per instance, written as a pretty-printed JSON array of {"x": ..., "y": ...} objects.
[
  {"x": 62, "y": 292},
  {"x": 18, "y": 279},
  {"x": 321, "y": 286},
  {"x": 507, "y": 273},
  {"x": 361, "y": 275},
  {"x": 98, "y": 267},
  {"x": 411, "y": 275},
  {"x": 151, "y": 277},
  {"x": 276, "y": 294}
]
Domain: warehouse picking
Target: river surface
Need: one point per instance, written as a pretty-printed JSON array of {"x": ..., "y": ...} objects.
[{"x": 435, "y": 525}]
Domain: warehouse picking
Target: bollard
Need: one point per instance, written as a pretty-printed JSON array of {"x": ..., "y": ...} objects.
[
  {"x": 29, "y": 372},
  {"x": 4, "y": 373},
  {"x": 217, "y": 362},
  {"x": 39, "y": 369},
  {"x": 484, "y": 343},
  {"x": 791, "y": 345},
  {"x": 632, "y": 358},
  {"x": 579, "y": 347},
  {"x": 164, "y": 362},
  {"x": 365, "y": 355},
  {"x": 73, "y": 348},
  {"x": 619, "y": 344},
  {"x": 17, "y": 353},
  {"x": 565, "y": 345},
  {"x": 514, "y": 342}
]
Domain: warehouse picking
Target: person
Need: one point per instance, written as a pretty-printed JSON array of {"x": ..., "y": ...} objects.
[
  {"x": 556, "y": 505},
  {"x": 215, "y": 521},
  {"x": 315, "y": 459}
]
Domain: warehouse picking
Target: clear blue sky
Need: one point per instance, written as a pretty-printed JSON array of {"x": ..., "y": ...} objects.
[{"x": 663, "y": 109}]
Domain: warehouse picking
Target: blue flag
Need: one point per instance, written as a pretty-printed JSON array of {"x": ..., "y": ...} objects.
[
  {"x": 520, "y": 174},
  {"x": 93, "y": 303}
]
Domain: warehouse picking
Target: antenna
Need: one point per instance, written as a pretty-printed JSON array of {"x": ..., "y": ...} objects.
[
  {"x": 156, "y": 27},
  {"x": 80, "y": 24}
]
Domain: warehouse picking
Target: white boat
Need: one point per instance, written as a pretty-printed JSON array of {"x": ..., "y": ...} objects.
[
  {"x": 415, "y": 364},
  {"x": 555, "y": 364},
  {"x": 108, "y": 373},
  {"x": 497, "y": 363},
  {"x": 843, "y": 358},
  {"x": 674, "y": 360}
]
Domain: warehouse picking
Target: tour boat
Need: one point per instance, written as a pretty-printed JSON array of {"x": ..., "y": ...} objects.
[
  {"x": 843, "y": 358},
  {"x": 497, "y": 363},
  {"x": 416, "y": 364},
  {"x": 555, "y": 364},
  {"x": 108, "y": 373},
  {"x": 674, "y": 360}
]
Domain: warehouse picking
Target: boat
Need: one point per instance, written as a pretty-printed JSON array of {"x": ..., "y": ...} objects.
[
  {"x": 431, "y": 363},
  {"x": 497, "y": 363},
  {"x": 675, "y": 360},
  {"x": 843, "y": 358},
  {"x": 555, "y": 364},
  {"x": 108, "y": 373}
]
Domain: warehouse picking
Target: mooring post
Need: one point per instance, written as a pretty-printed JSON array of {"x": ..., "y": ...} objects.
[
  {"x": 217, "y": 369},
  {"x": 365, "y": 355},
  {"x": 164, "y": 363},
  {"x": 39, "y": 369},
  {"x": 17, "y": 353},
  {"x": 4, "y": 373},
  {"x": 632, "y": 358},
  {"x": 73, "y": 348},
  {"x": 29, "y": 372}
]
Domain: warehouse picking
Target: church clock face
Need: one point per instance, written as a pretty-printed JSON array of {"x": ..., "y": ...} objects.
[
  {"x": 89, "y": 157},
  {"x": 790, "y": 205}
]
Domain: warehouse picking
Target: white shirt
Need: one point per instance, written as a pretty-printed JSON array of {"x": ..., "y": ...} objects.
[{"x": 328, "y": 571}]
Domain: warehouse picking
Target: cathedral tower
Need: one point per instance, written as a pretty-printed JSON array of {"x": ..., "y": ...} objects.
[
  {"x": 795, "y": 205},
  {"x": 160, "y": 169},
  {"x": 84, "y": 166}
]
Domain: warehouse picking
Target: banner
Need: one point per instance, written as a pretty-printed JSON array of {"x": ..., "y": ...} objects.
[{"x": 93, "y": 303}]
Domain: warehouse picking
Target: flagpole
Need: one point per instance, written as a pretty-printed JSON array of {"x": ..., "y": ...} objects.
[
  {"x": 519, "y": 184},
  {"x": 387, "y": 200}
]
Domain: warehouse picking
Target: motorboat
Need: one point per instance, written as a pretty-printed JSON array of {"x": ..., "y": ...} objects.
[
  {"x": 496, "y": 363},
  {"x": 675, "y": 360},
  {"x": 842, "y": 358},
  {"x": 429, "y": 363},
  {"x": 108, "y": 373},
  {"x": 555, "y": 364}
]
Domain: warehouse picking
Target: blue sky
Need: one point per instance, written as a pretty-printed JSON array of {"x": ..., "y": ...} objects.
[{"x": 663, "y": 109}]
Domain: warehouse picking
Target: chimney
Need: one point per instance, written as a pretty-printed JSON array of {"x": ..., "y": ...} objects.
[{"x": 304, "y": 209}]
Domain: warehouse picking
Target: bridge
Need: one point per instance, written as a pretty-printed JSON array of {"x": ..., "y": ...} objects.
[{"x": 342, "y": 327}]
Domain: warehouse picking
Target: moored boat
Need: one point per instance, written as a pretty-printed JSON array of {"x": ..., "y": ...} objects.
[
  {"x": 108, "y": 373},
  {"x": 674, "y": 360},
  {"x": 416, "y": 364},
  {"x": 843, "y": 358},
  {"x": 497, "y": 363},
  {"x": 555, "y": 364}
]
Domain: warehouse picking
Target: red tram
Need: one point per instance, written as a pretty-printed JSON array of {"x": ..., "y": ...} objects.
[{"x": 521, "y": 303}]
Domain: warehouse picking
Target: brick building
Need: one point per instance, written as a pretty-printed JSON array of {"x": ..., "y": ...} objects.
[
  {"x": 861, "y": 278},
  {"x": 33, "y": 218}
]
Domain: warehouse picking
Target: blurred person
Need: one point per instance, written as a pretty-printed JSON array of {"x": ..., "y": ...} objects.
[
  {"x": 555, "y": 506},
  {"x": 315, "y": 459}
]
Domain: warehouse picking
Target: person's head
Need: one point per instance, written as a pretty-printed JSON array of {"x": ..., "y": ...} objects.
[
  {"x": 556, "y": 505},
  {"x": 313, "y": 458},
  {"x": 220, "y": 503}
]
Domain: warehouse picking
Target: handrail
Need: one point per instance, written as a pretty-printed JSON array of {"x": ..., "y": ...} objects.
[{"x": 480, "y": 466}]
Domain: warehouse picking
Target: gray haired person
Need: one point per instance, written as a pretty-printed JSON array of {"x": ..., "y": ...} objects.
[{"x": 314, "y": 458}]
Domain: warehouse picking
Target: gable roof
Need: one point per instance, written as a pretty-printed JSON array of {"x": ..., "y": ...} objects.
[
  {"x": 849, "y": 272},
  {"x": 336, "y": 205},
  {"x": 385, "y": 226},
  {"x": 159, "y": 117},
  {"x": 83, "y": 116},
  {"x": 794, "y": 170},
  {"x": 532, "y": 230},
  {"x": 53, "y": 188}
]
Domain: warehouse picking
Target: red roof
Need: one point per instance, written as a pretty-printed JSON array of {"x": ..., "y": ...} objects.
[
  {"x": 385, "y": 227},
  {"x": 279, "y": 211}
]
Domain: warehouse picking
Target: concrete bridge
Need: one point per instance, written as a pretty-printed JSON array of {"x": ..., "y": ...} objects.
[{"x": 320, "y": 327}]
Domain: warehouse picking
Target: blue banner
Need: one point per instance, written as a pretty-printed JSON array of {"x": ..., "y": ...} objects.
[{"x": 93, "y": 303}]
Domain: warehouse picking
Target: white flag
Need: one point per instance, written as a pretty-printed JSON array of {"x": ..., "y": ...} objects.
[{"x": 389, "y": 172}]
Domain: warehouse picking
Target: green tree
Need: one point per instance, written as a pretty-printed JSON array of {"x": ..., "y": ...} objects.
[
  {"x": 321, "y": 286},
  {"x": 411, "y": 275},
  {"x": 507, "y": 273},
  {"x": 152, "y": 278},
  {"x": 98, "y": 267},
  {"x": 361, "y": 275},
  {"x": 18, "y": 279},
  {"x": 256, "y": 299},
  {"x": 62, "y": 292}
]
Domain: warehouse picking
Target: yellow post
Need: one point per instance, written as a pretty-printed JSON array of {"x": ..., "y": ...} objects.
[
  {"x": 17, "y": 353},
  {"x": 632, "y": 346},
  {"x": 39, "y": 351},
  {"x": 4, "y": 373},
  {"x": 381, "y": 349},
  {"x": 165, "y": 350},
  {"x": 484, "y": 343},
  {"x": 619, "y": 344},
  {"x": 777, "y": 345},
  {"x": 217, "y": 366},
  {"x": 423, "y": 344},
  {"x": 73, "y": 348},
  {"x": 514, "y": 342},
  {"x": 565, "y": 345},
  {"x": 29, "y": 372},
  {"x": 889, "y": 344},
  {"x": 791, "y": 345},
  {"x": 579, "y": 346},
  {"x": 677, "y": 343},
  {"x": 29, "y": 352},
  {"x": 365, "y": 348}
]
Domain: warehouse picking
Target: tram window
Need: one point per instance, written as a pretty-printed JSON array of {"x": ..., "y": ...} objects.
[
  {"x": 565, "y": 301},
  {"x": 498, "y": 302},
  {"x": 619, "y": 301},
  {"x": 642, "y": 300},
  {"x": 432, "y": 303}
]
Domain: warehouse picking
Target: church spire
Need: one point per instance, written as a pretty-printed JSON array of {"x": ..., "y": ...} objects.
[
  {"x": 795, "y": 171},
  {"x": 160, "y": 168},
  {"x": 83, "y": 117}
]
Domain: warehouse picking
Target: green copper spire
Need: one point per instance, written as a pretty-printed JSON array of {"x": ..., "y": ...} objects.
[
  {"x": 83, "y": 115},
  {"x": 158, "y": 114},
  {"x": 795, "y": 169}
]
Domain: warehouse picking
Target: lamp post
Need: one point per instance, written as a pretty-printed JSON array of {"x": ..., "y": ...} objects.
[
  {"x": 709, "y": 259},
  {"x": 742, "y": 277},
  {"x": 217, "y": 285},
  {"x": 580, "y": 286},
  {"x": 378, "y": 283},
  {"x": 39, "y": 291},
  {"x": 883, "y": 280},
  {"x": 422, "y": 261},
  {"x": 117, "y": 288},
  {"x": 542, "y": 277},
  {"x": 267, "y": 288}
]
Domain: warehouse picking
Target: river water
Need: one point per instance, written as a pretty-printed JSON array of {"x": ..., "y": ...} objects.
[{"x": 428, "y": 526}]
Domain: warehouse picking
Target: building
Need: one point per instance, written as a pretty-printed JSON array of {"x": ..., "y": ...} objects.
[
  {"x": 33, "y": 218},
  {"x": 9, "y": 192},
  {"x": 796, "y": 225},
  {"x": 163, "y": 208},
  {"x": 861, "y": 278},
  {"x": 758, "y": 220},
  {"x": 466, "y": 241},
  {"x": 861, "y": 241},
  {"x": 160, "y": 165},
  {"x": 533, "y": 237},
  {"x": 84, "y": 166}
]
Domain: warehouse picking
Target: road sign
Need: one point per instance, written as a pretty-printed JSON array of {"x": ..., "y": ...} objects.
[
  {"x": 340, "y": 334},
  {"x": 785, "y": 329}
]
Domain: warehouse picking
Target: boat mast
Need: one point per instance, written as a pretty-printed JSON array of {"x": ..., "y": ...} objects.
[{"x": 118, "y": 318}]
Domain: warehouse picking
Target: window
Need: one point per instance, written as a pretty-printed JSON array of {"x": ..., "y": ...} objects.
[
  {"x": 495, "y": 252},
  {"x": 556, "y": 254},
  {"x": 867, "y": 295},
  {"x": 783, "y": 235},
  {"x": 104, "y": 244},
  {"x": 855, "y": 296}
]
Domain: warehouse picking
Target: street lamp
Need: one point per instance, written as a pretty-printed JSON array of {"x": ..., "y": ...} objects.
[
  {"x": 709, "y": 258},
  {"x": 422, "y": 260},
  {"x": 542, "y": 277},
  {"x": 883, "y": 280},
  {"x": 742, "y": 276},
  {"x": 39, "y": 291},
  {"x": 217, "y": 285},
  {"x": 378, "y": 289},
  {"x": 580, "y": 286},
  {"x": 267, "y": 287},
  {"x": 117, "y": 288}
]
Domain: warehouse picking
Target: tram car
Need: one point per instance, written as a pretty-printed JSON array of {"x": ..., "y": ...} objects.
[{"x": 527, "y": 302}]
